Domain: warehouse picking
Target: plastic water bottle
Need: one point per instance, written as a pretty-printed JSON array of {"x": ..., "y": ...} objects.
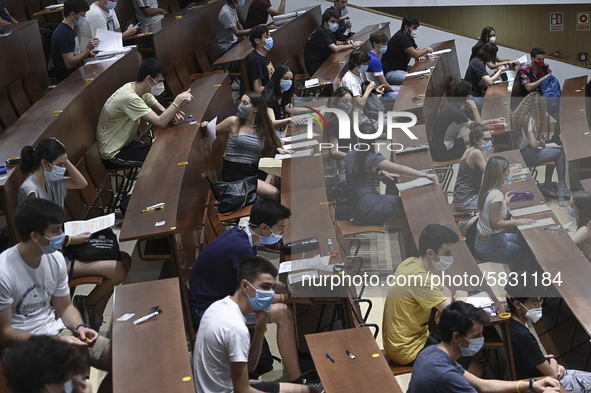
[{"x": 561, "y": 200}]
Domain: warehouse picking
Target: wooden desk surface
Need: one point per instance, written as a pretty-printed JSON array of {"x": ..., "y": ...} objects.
[
  {"x": 586, "y": 183},
  {"x": 497, "y": 102},
  {"x": 337, "y": 64},
  {"x": 363, "y": 374},
  {"x": 49, "y": 12},
  {"x": 573, "y": 119},
  {"x": 151, "y": 356}
]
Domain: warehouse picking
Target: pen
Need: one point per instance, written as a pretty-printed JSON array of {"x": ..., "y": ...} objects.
[
  {"x": 146, "y": 317},
  {"x": 330, "y": 357},
  {"x": 350, "y": 354}
]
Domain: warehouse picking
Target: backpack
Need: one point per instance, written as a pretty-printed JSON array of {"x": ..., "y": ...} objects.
[
  {"x": 551, "y": 87},
  {"x": 342, "y": 208}
]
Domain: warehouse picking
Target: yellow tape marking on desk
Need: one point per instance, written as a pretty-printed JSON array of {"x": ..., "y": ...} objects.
[
  {"x": 582, "y": 110},
  {"x": 375, "y": 355},
  {"x": 421, "y": 95},
  {"x": 149, "y": 33},
  {"x": 89, "y": 79},
  {"x": 462, "y": 239},
  {"x": 179, "y": 17},
  {"x": 196, "y": 7},
  {"x": 324, "y": 203},
  {"x": 57, "y": 112},
  {"x": 218, "y": 85},
  {"x": 172, "y": 228},
  {"x": 342, "y": 62},
  {"x": 506, "y": 103},
  {"x": 186, "y": 379},
  {"x": 183, "y": 163}
]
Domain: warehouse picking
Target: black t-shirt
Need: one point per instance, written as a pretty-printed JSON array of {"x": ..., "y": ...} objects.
[
  {"x": 257, "y": 13},
  {"x": 260, "y": 67},
  {"x": 317, "y": 48},
  {"x": 279, "y": 107},
  {"x": 450, "y": 113},
  {"x": 344, "y": 145},
  {"x": 476, "y": 70},
  {"x": 526, "y": 351},
  {"x": 395, "y": 57},
  {"x": 63, "y": 41}
]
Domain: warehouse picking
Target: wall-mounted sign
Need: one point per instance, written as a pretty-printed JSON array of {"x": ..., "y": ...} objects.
[
  {"x": 583, "y": 21},
  {"x": 556, "y": 21}
]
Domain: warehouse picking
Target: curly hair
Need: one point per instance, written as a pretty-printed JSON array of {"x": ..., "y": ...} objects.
[{"x": 532, "y": 107}]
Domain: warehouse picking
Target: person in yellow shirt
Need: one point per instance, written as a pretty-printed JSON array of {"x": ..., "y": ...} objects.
[{"x": 408, "y": 308}]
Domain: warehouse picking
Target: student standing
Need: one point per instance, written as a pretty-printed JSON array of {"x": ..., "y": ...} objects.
[
  {"x": 101, "y": 15},
  {"x": 260, "y": 68},
  {"x": 229, "y": 28},
  {"x": 259, "y": 11}
]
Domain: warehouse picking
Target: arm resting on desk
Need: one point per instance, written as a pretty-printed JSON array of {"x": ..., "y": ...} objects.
[
  {"x": 545, "y": 385},
  {"x": 416, "y": 53},
  {"x": 9, "y": 336},
  {"x": 339, "y": 48},
  {"x": 153, "y": 11},
  {"x": 277, "y": 123},
  {"x": 238, "y": 30},
  {"x": 405, "y": 170},
  {"x": 490, "y": 80},
  {"x": 496, "y": 222}
]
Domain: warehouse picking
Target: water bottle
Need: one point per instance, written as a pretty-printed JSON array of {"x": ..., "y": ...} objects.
[{"x": 561, "y": 200}]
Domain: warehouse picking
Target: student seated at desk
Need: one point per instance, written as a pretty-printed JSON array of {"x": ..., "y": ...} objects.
[
  {"x": 278, "y": 94},
  {"x": 121, "y": 114},
  {"x": 260, "y": 68},
  {"x": 477, "y": 75},
  {"x": 525, "y": 303},
  {"x": 407, "y": 310},
  {"x": 322, "y": 42},
  {"x": 472, "y": 166},
  {"x": 101, "y": 16},
  {"x": 42, "y": 364},
  {"x": 259, "y": 11},
  {"x": 33, "y": 278},
  {"x": 224, "y": 353},
  {"x": 354, "y": 78},
  {"x": 45, "y": 167},
  {"x": 342, "y": 99},
  {"x": 401, "y": 48},
  {"x": 65, "y": 49},
  {"x": 230, "y": 28},
  {"x": 375, "y": 70},
  {"x": 529, "y": 123},
  {"x": 492, "y": 243},
  {"x": 213, "y": 275},
  {"x": 250, "y": 135},
  {"x": 436, "y": 369},
  {"x": 489, "y": 35},
  {"x": 344, "y": 30},
  {"x": 368, "y": 206},
  {"x": 534, "y": 74},
  {"x": 580, "y": 209},
  {"x": 148, "y": 12}
]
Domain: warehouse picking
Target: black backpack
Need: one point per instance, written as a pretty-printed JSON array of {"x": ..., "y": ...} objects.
[{"x": 342, "y": 208}]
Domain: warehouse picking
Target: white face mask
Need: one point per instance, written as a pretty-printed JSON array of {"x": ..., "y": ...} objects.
[
  {"x": 414, "y": 33},
  {"x": 492, "y": 39},
  {"x": 157, "y": 89},
  {"x": 533, "y": 314},
  {"x": 443, "y": 263}
]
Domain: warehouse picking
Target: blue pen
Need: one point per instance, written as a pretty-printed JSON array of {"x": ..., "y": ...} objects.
[
  {"x": 330, "y": 357},
  {"x": 137, "y": 24}
]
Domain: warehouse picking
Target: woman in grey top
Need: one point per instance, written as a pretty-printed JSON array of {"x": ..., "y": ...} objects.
[
  {"x": 250, "y": 136},
  {"x": 472, "y": 166},
  {"x": 45, "y": 167}
]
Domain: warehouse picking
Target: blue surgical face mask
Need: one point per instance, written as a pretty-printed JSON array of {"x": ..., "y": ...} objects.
[
  {"x": 572, "y": 212},
  {"x": 347, "y": 108},
  {"x": 240, "y": 3},
  {"x": 80, "y": 21},
  {"x": 268, "y": 43},
  {"x": 271, "y": 239},
  {"x": 262, "y": 300},
  {"x": 69, "y": 387},
  {"x": 111, "y": 5},
  {"x": 55, "y": 244},
  {"x": 474, "y": 346},
  {"x": 383, "y": 49},
  {"x": 486, "y": 146},
  {"x": 56, "y": 174},
  {"x": 285, "y": 84},
  {"x": 333, "y": 27},
  {"x": 363, "y": 68}
]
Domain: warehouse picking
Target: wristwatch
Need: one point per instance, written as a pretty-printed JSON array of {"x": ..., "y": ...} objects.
[{"x": 531, "y": 384}]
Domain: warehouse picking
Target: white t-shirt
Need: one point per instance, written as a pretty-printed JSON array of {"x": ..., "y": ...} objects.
[
  {"x": 28, "y": 291},
  {"x": 353, "y": 83},
  {"x": 222, "y": 339},
  {"x": 493, "y": 196},
  {"x": 139, "y": 14},
  {"x": 96, "y": 18}
]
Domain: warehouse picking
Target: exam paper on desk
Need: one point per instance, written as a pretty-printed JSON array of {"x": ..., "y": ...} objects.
[{"x": 539, "y": 223}]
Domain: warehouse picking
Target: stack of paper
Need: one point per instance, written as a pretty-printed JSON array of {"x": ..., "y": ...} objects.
[
  {"x": 480, "y": 300},
  {"x": 530, "y": 210},
  {"x": 73, "y": 228},
  {"x": 317, "y": 263},
  {"x": 110, "y": 40},
  {"x": 420, "y": 182},
  {"x": 297, "y": 154}
]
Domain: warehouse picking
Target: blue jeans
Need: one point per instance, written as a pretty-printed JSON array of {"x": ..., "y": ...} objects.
[
  {"x": 506, "y": 248},
  {"x": 389, "y": 96},
  {"x": 479, "y": 101},
  {"x": 396, "y": 77},
  {"x": 534, "y": 157}
]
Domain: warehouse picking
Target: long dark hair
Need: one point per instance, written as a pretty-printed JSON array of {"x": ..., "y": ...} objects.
[
  {"x": 48, "y": 149},
  {"x": 488, "y": 52},
  {"x": 333, "y": 102},
  {"x": 273, "y": 89},
  {"x": 484, "y": 36},
  {"x": 582, "y": 200},
  {"x": 262, "y": 121}
]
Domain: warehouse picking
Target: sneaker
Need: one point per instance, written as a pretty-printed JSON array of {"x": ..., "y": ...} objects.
[
  {"x": 547, "y": 191},
  {"x": 88, "y": 313}
]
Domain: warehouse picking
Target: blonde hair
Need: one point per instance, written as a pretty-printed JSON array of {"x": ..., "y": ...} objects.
[
  {"x": 532, "y": 107},
  {"x": 493, "y": 178}
]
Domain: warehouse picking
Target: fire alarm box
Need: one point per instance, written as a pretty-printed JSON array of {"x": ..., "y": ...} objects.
[{"x": 583, "y": 56}]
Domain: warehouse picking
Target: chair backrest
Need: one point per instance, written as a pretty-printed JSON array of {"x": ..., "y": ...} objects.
[
  {"x": 89, "y": 193},
  {"x": 201, "y": 59},
  {"x": 7, "y": 114},
  {"x": 18, "y": 98},
  {"x": 74, "y": 205},
  {"x": 214, "y": 218},
  {"x": 207, "y": 231},
  {"x": 182, "y": 73},
  {"x": 32, "y": 87},
  {"x": 96, "y": 171},
  {"x": 302, "y": 61},
  {"x": 172, "y": 82}
]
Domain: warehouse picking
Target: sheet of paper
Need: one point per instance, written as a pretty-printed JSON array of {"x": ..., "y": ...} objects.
[
  {"x": 480, "y": 300},
  {"x": 544, "y": 222},
  {"x": 297, "y": 154},
  {"x": 420, "y": 182},
  {"x": 522, "y": 59},
  {"x": 439, "y": 52},
  {"x": 285, "y": 267},
  {"x": 113, "y": 58},
  {"x": 523, "y": 171},
  {"x": 312, "y": 83},
  {"x": 298, "y": 277},
  {"x": 298, "y": 145},
  {"x": 555, "y": 145},
  {"x": 73, "y": 228},
  {"x": 110, "y": 40},
  {"x": 417, "y": 73},
  {"x": 298, "y": 137},
  {"x": 530, "y": 210},
  {"x": 105, "y": 54},
  {"x": 285, "y": 16},
  {"x": 211, "y": 132}
]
